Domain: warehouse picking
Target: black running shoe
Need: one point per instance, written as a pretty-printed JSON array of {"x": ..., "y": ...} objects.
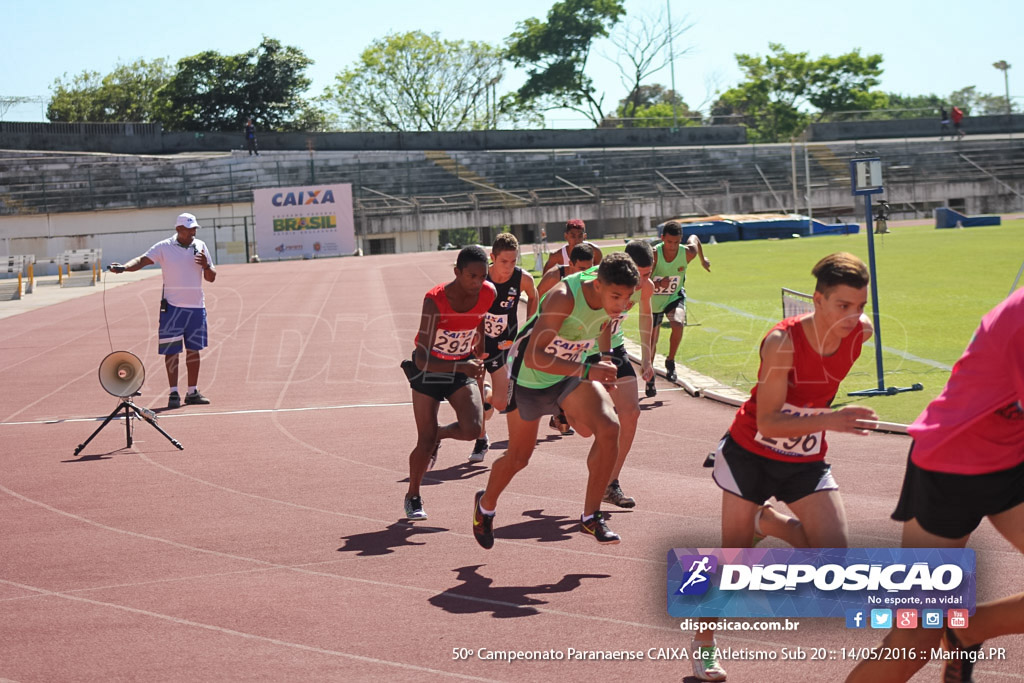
[
  {"x": 598, "y": 528},
  {"x": 614, "y": 495},
  {"x": 650, "y": 390},
  {"x": 414, "y": 508},
  {"x": 196, "y": 399},
  {"x": 174, "y": 400},
  {"x": 670, "y": 370},
  {"x": 483, "y": 530}
]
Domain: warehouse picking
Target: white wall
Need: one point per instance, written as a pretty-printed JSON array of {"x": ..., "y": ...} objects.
[{"x": 121, "y": 235}]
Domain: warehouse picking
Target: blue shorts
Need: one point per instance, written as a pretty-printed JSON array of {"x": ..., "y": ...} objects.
[{"x": 180, "y": 326}]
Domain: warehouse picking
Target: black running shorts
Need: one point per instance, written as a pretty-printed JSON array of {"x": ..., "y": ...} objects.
[
  {"x": 659, "y": 316},
  {"x": 437, "y": 385},
  {"x": 619, "y": 358},
  {"x": 757, "y": 478},
  {"x": 953, "y": 505}
]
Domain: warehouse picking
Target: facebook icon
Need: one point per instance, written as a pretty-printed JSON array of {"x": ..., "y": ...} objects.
[{"x": 855, "y": 618}]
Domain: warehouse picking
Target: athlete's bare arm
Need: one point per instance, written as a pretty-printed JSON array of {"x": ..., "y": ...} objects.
[
  {"x": 772, "y": 387},
  {"x": 646, "y": 330},
  {"x": 693, "y": 249},
  {"x": 551, "y": 277},
  {"x": 557, "y": 307},
  {"x": 527, "y": 286},
  {"x": 554, "y": 259}
]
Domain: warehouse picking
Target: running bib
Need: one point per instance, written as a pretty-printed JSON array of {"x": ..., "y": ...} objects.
[
  {"x": 617, "y": 323},
  {"x": 567, "y": 349},
  {"x": 457, "y": 343},
  {"x": 797, "y": 446},
  {"x": 668, "y": 284},
  {"x": 494, "y": 325}
]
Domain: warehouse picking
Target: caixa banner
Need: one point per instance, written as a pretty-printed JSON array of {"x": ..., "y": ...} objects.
[{"x": 820, "y": 582}]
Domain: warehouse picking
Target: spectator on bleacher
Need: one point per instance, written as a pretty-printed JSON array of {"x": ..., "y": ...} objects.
[
  {"x": 185, "y": 262},
  {"x": 250, "y": 137},
  {"x": 958, "y": 116}
]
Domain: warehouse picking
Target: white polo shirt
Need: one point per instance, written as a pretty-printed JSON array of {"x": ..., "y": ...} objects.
[{"x": 183, "y": 277}]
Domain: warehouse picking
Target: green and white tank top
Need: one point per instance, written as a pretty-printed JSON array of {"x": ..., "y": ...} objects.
[
  {"x": 578, "y": 333},
  {"x": 618, "y": 337},
  {"x": 668, "y": 278}
]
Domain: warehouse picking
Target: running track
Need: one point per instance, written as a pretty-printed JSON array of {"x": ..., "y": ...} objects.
[{"x": 273, "y": 547}]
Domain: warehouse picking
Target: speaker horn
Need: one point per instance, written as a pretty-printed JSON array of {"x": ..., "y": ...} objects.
[{"x": 122, "y": 374}]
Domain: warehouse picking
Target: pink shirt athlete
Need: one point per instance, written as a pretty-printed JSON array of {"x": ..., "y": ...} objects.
[
  {"x": 813, "y": 383},
  {"x": 976, "y": 425}
]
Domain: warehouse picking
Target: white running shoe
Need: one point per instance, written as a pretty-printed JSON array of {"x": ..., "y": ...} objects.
[
  {"x": 706, "y": 666},
  {"x": 480, "y": 450}
]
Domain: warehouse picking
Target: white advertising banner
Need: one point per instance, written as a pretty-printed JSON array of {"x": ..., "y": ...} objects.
[{"x": 304, "y": 222}]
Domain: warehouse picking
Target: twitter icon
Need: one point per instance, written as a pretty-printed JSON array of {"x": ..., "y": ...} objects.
[{"x": 881, "y": 618}]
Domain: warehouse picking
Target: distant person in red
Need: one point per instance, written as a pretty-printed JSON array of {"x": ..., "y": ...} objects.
[
  {"x": 966, "y": 464},
  {"x": 446, "y": 365},
  {"x": 958, "y": 116}
]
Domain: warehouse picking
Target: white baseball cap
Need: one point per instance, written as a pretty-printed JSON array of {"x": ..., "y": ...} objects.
[{"x": 187, "y": 220}]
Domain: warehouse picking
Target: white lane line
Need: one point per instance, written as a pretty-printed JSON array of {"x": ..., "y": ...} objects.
[
  {"x": 255, "y": 411},
  {"x": 242, "y": 634}
]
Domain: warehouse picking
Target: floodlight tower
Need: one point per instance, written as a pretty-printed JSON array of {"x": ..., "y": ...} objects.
[
  {"x": 866, "y": 180},
  {"x": 1004, "y": 67}
]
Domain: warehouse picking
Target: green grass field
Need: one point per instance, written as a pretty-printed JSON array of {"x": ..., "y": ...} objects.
[{"x": 934, "y": 286}]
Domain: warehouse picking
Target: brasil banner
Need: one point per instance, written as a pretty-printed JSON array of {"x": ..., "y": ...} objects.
[{"x": 304, "y": 222}]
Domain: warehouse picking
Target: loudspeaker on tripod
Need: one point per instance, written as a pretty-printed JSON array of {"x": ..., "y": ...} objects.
[{"x": 122, "y": 374}]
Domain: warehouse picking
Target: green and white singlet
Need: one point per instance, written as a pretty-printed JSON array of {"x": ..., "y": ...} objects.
[
  {"x": 618, "y": 337},
  {"x": 578, "y": 333},
  {"x": 668, "y": 278}
]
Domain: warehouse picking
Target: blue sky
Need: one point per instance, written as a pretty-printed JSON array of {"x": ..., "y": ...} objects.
[{"x": 937, "y": 46}]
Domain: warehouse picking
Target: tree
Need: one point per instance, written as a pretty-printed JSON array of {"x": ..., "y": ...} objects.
[
  {"x": 214, "y": 92},
  {"x": 643, "y": 45},
  {"x": 128, "y": 93},
  {"x": 554, "y": 54},
  {"x": 979, "y": 104},
  {"x": 417, "y": 81},
  {"x": 775, "y": 99},
  {"x": 651, "y": 106}
]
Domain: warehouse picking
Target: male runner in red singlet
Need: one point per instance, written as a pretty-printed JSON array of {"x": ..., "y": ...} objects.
[
  {"x": 443, "y": 366},
  {"x": 575, "y": 233},
  {"x": 966, "y": 463},
  {"x": 776, "y": 445},
  {"x": 501, "y": 324}
]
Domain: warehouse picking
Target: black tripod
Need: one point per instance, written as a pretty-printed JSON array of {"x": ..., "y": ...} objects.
[{"x": 130, "y": 411}]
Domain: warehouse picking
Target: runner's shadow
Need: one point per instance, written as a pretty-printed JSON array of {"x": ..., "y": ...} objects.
[
  {"x": 97, "y": 456},
  {"x": 477, "y": 594},
  {"x": 460, "y": 472},
  {"x": 652, "y": 405},
  {"x": 385, "y": 541},
  {"x": 498, "y": 445},
  {"x": 540, "y": 527}
]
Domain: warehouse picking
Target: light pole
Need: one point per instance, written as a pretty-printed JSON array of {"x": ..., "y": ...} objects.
[{"x": 1004, "y": 67}]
